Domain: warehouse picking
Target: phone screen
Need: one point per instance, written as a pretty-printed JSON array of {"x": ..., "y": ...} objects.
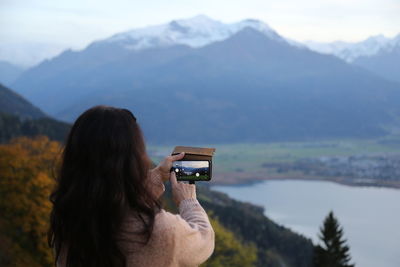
[{"x": 192, "y": 170}]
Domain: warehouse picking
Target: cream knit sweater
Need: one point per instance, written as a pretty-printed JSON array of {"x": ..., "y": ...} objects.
[{"x": 184, "y": 239}]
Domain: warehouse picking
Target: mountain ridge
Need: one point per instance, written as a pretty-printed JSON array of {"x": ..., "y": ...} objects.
[
  {"x": 15, "y": 104},
  {"x": 245, "y": 88},
  {"x": 385, "y": 63},
  {"x": 195, "y": 32},
  {"x": 351, "y": 51},
  {"x": 9, "y": 72},
  {"x": 18, "y": 117},
  {"x": 222, "y": 30}
]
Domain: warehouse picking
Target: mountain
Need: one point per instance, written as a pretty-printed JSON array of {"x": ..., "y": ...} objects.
[
  {"x": 195, "y": 32},
  {"x": 386, "y": 62},
  {"x": 13, "y": 103},
  {"x": 351, "y": 51},
  {"x": 251, "y": 86},
  {"x": 9, "y": 72},
  {"x": 28, "y": 53},
  {"x": 18, "y": 117},
  {"x": 378, "y": 54}
]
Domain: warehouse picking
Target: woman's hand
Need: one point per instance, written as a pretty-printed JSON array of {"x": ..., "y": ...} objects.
[
  {"x": 165, "y": 166},
  {"x": 181, "y": 191}
]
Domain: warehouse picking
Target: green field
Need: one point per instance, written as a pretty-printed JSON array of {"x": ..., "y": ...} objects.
[{"x": 250, "y": 157}]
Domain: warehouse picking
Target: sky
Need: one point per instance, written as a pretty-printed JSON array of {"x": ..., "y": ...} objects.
[{"x": 50, "y": 26}]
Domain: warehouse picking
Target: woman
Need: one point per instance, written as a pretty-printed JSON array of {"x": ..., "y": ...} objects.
[{"x": 106, "y": 209}]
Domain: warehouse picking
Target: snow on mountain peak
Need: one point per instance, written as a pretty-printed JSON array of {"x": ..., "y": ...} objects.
[
  {"x": 394, "y": 43},
  {"x": 194, "y": 32},
  {"x": 368, "y": 47},
  {"x": 351, "y": 51},
  {"x": 256, "y": 25}
]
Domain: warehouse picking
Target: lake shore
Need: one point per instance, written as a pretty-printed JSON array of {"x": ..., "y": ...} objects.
[{"x": 246, "y": 178}]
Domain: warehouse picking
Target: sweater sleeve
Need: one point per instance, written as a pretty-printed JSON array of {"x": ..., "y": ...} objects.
[
  {"x": 154, "y": 183},
  {"x": 194, "y": 234}
]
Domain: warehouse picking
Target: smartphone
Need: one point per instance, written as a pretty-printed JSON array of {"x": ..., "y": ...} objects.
[{"x": 192, "y": 170}]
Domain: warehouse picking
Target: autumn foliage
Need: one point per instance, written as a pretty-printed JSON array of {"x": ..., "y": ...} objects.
[{"x": 26, "y": 180}]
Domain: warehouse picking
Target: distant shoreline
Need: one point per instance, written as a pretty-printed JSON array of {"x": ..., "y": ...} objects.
[{"x": 229, "y": 179}]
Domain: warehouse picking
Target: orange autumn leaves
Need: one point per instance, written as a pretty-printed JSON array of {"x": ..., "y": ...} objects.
[{"x": 27, "y": 169}]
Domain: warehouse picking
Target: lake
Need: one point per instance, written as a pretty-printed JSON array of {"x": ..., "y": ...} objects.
[{"x": 370, "y": 215}]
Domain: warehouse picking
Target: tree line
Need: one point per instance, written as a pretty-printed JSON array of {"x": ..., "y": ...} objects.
[{"x": 14, "y": 126}]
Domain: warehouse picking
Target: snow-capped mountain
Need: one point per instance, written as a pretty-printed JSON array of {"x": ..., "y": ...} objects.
[
  {"x": 351, "y": 51},
  {"x": 194, "y": 32},
  {"x": 251, "y": 86},
  {"x": 386, "y": 62}
]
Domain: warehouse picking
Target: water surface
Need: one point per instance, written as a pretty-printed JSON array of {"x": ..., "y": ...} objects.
[{"x": 370, "y": 215}]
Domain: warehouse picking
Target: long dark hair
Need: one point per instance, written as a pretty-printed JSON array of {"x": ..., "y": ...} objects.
[{"x": 101, "y": 178}]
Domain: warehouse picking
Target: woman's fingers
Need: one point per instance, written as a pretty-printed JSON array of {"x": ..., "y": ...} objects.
[
  {"x": 181, "y": 191},
  {"x": 165, "y": 166},
  {"x": 173, "y": 180},
  {"x": 177, "y": 156}
]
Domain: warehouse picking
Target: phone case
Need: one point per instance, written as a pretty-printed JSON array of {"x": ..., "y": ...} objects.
[{"x": 195, "y": 153}]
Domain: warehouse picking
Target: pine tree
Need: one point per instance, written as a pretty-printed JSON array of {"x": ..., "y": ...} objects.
[{"x": 333, "y": 252}]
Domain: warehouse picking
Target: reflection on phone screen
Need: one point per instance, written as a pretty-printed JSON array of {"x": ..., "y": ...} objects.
[{"x": 198, "y": 170}]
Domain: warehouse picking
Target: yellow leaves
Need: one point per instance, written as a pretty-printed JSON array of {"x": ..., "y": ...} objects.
[
  {"x": 229, "y": 251},
  {"x": 26, "y": 181}
]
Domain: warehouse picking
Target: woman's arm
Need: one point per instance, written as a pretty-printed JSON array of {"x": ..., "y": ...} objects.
[
  {"x": 194, "y": 234},
  {"x": 197, "y": 240},
  {"x": 188, "y": 237}
]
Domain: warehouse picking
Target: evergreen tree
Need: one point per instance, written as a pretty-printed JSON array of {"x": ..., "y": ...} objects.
[{"x": 333, "y": 252}]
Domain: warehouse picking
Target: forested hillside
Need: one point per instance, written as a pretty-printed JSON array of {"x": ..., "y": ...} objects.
[
  {"x": 12, "y": 126},
  {"x": 270, "y": 244},
  {"x": 244, "y": 236},
  {"x": 18, "y": 117},
  {"x": 276, "y": 245},
  {"x": 13, "y": 103}
]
